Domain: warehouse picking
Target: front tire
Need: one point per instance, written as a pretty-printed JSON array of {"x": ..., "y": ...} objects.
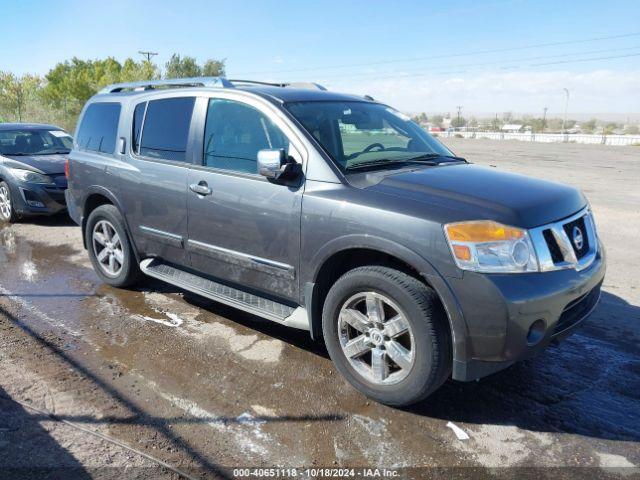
[
  {"x": 109, "y": 247},
  {"x": 7, "y": 212},
  {"x": 387, "y": 334}
]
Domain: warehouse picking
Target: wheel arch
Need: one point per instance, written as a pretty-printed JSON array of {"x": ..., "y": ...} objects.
[
  {"x": 352, "y": 251},
  {"x": 97, "y": 196}
]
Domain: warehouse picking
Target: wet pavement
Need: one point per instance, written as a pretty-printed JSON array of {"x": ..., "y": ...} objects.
[{"x": 208, "y": 388}]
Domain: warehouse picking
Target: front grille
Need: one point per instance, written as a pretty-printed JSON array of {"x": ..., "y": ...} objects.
[
  {"x": 554, "y": 249},
  {"x": 569, "y": 243},
  {"x": 578, "y": 309},
  {"x": 577, "y": 230}
]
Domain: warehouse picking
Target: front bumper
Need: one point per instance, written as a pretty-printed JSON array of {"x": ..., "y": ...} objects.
[
  {"x": 37, "y": 199},
  {"x": 499, "y": 311}
]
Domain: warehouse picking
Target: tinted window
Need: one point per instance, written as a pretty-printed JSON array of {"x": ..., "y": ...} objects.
[
  {"x": 235, "y": 132},
  {"x": 166, "y": 128},
  {"x": 138, "y": 117},
  {"x": 99, "y": 127}
]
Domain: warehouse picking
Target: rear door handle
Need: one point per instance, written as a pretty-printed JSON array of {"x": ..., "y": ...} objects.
[{"x": 200, "y": 188}]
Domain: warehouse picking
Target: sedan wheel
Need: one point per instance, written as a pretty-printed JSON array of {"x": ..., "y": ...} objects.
[
  {"x": 376, "y": 338},
  {"x": 107, "y": 247},
  {"x": 5, "y": 203}
]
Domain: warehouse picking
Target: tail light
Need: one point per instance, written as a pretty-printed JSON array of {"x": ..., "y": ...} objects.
[{"x": 66, "y": 169}]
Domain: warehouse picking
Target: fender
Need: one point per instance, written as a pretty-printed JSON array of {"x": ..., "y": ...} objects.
[
  {"x": 422, "y": 265},
  {"x": 99, "y": 190}
]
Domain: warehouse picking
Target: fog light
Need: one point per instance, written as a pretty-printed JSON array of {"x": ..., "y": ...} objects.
[
  {"x": 536, "y": 332},
  {"x": 34, "y": 203}
]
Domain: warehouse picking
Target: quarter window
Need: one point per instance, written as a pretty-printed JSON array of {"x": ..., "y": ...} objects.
[
  {"x": 99, "y": 127},
  {"x": 235, "y": 132},
  {"x": 166, "y": 128},
  {"x": 138, "y": 117}
]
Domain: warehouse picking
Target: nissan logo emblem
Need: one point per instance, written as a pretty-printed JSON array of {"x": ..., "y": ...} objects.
[{"x": 578, "y": 238}]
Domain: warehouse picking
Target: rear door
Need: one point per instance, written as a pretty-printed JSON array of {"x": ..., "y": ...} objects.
[
  {"x": 243, "y": 228},
  {"x": 155, "y": 184}
]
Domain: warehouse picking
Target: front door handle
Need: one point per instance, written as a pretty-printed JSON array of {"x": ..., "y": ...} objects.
[{"x": 200, "y": 188}]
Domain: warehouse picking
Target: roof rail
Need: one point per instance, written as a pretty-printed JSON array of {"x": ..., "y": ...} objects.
[
  {"x": 303, "y": 85},
  {"x": 256, "y": 82},
  {"x": 200, "y": 82},
  {"x": 173, "y": 82}
]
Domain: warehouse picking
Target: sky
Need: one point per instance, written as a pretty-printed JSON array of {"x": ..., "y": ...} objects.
[{"x": 486, "y": 56}]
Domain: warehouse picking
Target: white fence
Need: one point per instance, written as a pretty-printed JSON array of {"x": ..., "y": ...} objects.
[{"x": 548, "y": 137}]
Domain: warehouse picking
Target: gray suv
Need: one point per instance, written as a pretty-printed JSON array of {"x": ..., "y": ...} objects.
[{"x": 334, "y": 214}]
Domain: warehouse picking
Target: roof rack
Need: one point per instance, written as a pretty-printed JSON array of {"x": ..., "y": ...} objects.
[
  {"x": 200, "y": 82},
  {"x": 169, "y": 83}
]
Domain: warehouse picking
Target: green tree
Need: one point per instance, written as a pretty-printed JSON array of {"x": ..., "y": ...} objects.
[
  {"x": 19, "y": 96},
  {"x": 632, "y": 129},
  {"x": 437, "y": 120},
  {"x": 458, "y": 122},
  {"x": 214, "y": 68},
  {"x": 182, "y": 67},
  {"x": 589, "y": 126}
]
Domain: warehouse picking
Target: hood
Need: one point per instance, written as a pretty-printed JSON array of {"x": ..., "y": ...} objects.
[
  {"x": 49, "y": 164},
  {"x": 472, "y": 192}
]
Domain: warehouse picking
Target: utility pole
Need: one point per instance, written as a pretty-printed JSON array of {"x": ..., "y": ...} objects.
[
  {"x": 544, "y": 119},
  {"x": 147, "y": 54},
  {"x": 566, "y": 106},
  {"x": 459, "y": 107}
]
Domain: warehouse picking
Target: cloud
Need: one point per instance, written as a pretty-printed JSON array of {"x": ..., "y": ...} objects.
[{"x": 518, "y": 91}]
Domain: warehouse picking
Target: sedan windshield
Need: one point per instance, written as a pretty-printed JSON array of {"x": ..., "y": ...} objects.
[
  {"x": 364, "y": 134},
  {"x": 34, "y": 142}
]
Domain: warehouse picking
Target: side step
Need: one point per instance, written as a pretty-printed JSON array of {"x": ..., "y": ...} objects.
[{"x": 263, "y": 307}]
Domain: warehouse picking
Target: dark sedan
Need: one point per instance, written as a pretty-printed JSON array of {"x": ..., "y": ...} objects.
[{"x": 32, "y": 164}]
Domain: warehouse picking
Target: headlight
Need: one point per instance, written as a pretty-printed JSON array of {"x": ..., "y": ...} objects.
[
  {"x": 30, "y": 176},
  {"x": 490, "y": 247}
]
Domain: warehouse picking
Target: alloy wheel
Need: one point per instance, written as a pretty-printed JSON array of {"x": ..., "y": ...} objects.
[
  {"x": 376, "y": 338},
  {"x": 107, "y": 247},
  {"x": 5, "y": 203}
]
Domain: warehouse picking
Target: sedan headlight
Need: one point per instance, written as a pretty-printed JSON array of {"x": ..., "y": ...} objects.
[
  {"x": 490, "y": 247},
  {"x": 30, "y": 176}
]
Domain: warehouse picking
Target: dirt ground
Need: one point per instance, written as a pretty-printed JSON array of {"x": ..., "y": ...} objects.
[{"x": 206, "y": 388}]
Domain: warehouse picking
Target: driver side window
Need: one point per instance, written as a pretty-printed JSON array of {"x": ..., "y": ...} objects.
[{"x": 235, "y": 132}]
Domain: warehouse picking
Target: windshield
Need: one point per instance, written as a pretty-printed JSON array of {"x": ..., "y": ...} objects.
[
  {"x": 357, "y": 134},
  {"x": 34, "y": 142}
]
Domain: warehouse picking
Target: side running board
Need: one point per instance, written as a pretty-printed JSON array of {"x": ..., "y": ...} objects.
[{"x": 260, "y": 306}]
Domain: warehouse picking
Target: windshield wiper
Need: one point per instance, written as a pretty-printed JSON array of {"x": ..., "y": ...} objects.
[
  {"x": 431, "y": 156},
  {"x": 57, "y": 152},
  {"x": 377, "y": 163},
  {"x": 424, "y": 159}
]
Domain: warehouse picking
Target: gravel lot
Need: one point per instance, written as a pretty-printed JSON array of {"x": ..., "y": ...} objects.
[{"x": 207, "y": 388}]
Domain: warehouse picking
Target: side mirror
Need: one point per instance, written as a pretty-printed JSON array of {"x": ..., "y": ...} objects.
[{"x": 272, "y": 163}]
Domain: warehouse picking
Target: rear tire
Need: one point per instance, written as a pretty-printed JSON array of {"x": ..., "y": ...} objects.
[
  {"x": 109, "y": 248},
  {"x": 7, "y": 212},
  {"x": 397, "y": 357}
]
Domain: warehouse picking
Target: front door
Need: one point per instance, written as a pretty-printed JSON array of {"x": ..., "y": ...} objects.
[{"x": 244, "y": 229}]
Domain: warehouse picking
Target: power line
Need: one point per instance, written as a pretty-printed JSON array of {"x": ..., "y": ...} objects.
[
  {"x": 423, "y": 74},
  {"x": 482, "y": 64},
  {"x": 449, "y": 55}
]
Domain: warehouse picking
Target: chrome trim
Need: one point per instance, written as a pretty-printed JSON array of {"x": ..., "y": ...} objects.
[
  {"x": 243, "y": 259},
  {"x": 564, "y": 243},
  {"x": 170, "y": 238}
]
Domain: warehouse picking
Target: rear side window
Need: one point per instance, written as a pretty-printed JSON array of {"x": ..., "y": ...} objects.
[
  {"x": 99, "y": 128},
  {"x": 166, "y": 128}
]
